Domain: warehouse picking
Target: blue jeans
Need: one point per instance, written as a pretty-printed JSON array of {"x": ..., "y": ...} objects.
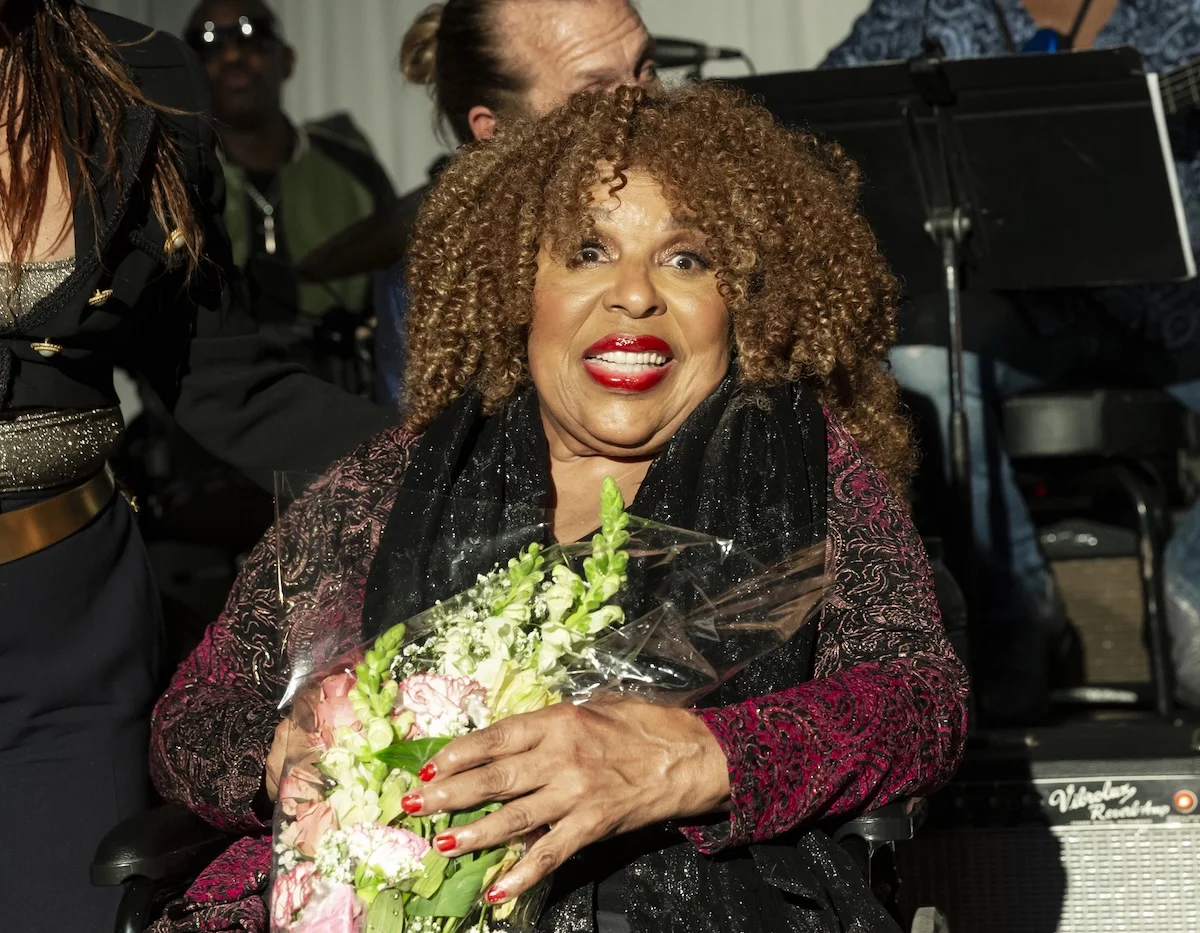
[
  {"x": 391, "y": 315},
  {"x": 1022, "y": 611}
]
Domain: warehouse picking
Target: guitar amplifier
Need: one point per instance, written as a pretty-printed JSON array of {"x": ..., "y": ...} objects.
[{"x": 1076, "y": 829}]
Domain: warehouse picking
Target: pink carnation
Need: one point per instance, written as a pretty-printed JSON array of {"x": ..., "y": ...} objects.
[
  {"x": 289, "y": 895},
  {"x": 442, "y": 705},
  {"x": 335, "y": 709},
  {"x": 335, "y": 908},
  {"x": 393, "y": 852}
]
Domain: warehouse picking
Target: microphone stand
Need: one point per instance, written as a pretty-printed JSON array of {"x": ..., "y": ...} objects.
[{"x": 948, "y": 212}]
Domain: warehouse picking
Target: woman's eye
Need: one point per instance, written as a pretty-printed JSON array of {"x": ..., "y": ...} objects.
[
  {"x": 588, "y": 254},
  {"x": 689, "y": 262}
]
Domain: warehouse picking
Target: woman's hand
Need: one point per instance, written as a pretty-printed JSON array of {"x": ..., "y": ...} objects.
[{"x": 588, "y": 772}]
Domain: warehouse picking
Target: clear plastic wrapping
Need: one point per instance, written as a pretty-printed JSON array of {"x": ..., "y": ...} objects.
[{"x": 656, "y": 613}]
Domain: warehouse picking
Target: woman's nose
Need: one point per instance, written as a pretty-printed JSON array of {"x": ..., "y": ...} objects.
[{"x": 634, "y": 295}]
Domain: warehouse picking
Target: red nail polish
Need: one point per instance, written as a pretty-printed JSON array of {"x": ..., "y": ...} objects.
[
  {"x": 410, "y": 803},
  {"x": 429, "y": 772},
  {"x": 444, "y": 842},
  {"x": 494, "y": 896}
]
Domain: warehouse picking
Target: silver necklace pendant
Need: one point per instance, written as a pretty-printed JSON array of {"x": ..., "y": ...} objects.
[{"x": 267, "y": 209}]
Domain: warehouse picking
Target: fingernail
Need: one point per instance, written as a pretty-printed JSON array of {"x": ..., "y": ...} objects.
[
  {"x": 444, "y": 842},
  {"x": 428, "y": 773},
  {"x": 410, "y": 803},
  {"x": 494, "y": 896}
]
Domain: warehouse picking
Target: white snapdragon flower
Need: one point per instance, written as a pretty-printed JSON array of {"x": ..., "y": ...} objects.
[
  {"x": 355, "y": 742},
  {"x": 491, "y": 672},
  {"x": 560, "y": 596},
  {"x": 455, "y": 651},
  {"x": 379, "y": 734},
  {"x": 340, "y": 764},
  {"x": 496, "y": 637},
  {"x": 603, "y": 618},
  {"x": 354, "y": 803},
  {"x": 557, "y": 641}
]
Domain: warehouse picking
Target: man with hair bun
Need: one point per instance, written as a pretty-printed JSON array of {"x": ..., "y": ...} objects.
[{"x": 483, "y": 60}]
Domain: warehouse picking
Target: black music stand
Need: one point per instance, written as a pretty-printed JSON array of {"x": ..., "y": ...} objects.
[{"x": 1033, "y": 171}]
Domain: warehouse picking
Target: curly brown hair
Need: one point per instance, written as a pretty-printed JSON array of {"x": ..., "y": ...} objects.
[{"x": 809, "y": 295}]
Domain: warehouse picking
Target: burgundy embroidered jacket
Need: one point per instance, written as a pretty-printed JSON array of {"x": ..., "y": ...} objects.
[{"x": 883, "y": 717}]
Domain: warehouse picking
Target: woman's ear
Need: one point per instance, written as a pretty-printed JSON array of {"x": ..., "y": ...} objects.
[{"x": 482, "y": 121}]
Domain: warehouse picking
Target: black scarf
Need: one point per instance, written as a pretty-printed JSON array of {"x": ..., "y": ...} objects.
[{"x": 747, "y": 464}]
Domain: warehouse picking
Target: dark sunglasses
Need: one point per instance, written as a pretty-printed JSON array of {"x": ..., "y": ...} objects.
[{"x": 253, "y": 34}]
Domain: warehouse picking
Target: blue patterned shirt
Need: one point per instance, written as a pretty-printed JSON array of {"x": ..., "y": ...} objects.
[{"x": 1166, "y": 32}]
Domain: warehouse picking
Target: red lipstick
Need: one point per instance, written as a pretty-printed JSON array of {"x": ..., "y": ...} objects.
[{"x": 628, "y": 362}]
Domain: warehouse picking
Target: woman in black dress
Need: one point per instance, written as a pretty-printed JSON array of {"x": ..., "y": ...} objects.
[{"x": 111, "y": 252}]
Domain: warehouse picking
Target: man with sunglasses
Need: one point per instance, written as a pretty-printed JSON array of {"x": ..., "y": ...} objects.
[{"x": 290, "y": 187}]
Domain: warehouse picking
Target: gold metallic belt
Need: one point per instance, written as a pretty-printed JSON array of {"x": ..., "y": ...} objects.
[{"x": 35, "y": 527}]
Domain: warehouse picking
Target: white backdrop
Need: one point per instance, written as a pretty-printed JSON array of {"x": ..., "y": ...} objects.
[{"x": 347, "y": 55}]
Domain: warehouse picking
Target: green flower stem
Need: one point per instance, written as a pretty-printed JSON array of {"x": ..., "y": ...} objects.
[
  {"x": 605, "y": 570},
  {"x": 524, "y": 574},
  {"x": 374, "y": 690}
]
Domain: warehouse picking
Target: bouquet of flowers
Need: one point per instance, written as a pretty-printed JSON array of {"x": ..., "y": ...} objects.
[{"x": 546, "y": 627}]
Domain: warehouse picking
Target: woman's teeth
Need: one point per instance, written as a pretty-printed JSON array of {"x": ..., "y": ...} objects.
[{"x": 625, "y": 359}]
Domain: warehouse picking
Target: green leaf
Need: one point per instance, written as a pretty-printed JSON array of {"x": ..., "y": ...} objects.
[
  {"x": 459, "y": 892},
  {"x": 433, "y": 872},
  {"x": 387, "y": 913},
  {"x": 463, "y": 817},
  {"x": 411, "y": 755}
]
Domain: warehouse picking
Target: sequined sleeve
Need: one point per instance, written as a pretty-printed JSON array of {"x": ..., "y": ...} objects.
[
  {"x": 213, "y": 727},
  {"x": 885, "y": 715}
]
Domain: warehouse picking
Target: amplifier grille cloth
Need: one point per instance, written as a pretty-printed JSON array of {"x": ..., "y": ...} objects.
[
  {"x": 1136, "y": 880},
  {"x": 1103, "y": 597}
]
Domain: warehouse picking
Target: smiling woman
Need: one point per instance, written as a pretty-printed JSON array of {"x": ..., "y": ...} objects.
[
  {"x": 678, "y": 293},
  {"x": 696, "y": 203}
]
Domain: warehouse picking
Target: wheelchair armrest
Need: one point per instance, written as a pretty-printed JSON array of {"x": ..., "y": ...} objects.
[
  {"x": 165, "y": 843},
  {"x": 894, "y": 822}
]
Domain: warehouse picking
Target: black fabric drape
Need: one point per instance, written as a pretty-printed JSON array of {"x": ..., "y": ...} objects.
[{"x": 748, "y": 465}]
